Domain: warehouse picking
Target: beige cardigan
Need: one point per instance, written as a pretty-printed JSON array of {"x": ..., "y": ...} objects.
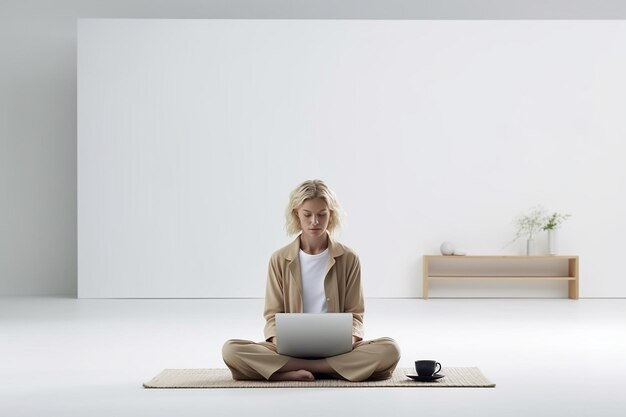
[{"x": 342, "y": 285}]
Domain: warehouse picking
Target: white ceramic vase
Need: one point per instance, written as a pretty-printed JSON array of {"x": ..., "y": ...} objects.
[
  {"x": 447, "y": 248},
  {"x": 530, "y": 247},
  {"x": 551, "y": 242}
]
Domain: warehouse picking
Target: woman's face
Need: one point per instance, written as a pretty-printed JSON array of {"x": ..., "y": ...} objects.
[{"x": 314, "y": 216}]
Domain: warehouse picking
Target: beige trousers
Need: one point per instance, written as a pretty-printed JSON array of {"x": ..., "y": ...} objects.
[{"x": 369, "y": 359}]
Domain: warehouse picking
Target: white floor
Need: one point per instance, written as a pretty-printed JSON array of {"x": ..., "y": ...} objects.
[{"x": 548, "y": 357}]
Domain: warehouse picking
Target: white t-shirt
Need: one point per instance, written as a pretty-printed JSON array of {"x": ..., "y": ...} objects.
[{"x": 313, "y": 272}]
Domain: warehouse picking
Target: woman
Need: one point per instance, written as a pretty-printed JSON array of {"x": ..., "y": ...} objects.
[{"x": 313, "y": 274}]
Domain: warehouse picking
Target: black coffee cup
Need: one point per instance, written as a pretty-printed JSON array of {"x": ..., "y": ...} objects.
[{"x": 427, "y": 368}]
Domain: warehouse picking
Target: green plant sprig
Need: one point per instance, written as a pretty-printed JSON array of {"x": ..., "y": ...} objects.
[
  {"x": 554, "y": 220},
  {"x": 529, "y": 224}
]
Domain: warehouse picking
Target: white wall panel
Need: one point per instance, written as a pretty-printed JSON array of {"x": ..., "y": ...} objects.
[{"x": 191, "y": 133}]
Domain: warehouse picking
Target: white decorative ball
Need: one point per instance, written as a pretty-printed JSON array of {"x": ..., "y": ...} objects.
[{"x": 447, "y": 248}]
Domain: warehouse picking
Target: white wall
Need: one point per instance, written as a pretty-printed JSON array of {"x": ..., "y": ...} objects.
[
  {"x": 38, "y": 105},
  {"x": 192, "y": 133}
]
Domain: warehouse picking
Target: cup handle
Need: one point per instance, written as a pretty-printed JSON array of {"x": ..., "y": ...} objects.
[{"x": 437, "y": 371}]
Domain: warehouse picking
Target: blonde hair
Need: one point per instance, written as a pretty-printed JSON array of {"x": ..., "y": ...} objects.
[{"x": 306, "y": 191}]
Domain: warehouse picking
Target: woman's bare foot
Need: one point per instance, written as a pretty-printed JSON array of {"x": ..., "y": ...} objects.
[{"x": 299, "y": 375}]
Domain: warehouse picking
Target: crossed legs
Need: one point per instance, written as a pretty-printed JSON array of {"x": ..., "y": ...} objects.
[{"x": 372, "y": 359}]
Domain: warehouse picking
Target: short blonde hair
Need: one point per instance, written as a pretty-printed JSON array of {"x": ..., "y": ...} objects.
[{"x": 306, "y": 191}]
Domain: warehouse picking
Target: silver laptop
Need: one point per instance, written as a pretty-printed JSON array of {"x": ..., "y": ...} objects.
[{"x": 305, "y": 335}]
